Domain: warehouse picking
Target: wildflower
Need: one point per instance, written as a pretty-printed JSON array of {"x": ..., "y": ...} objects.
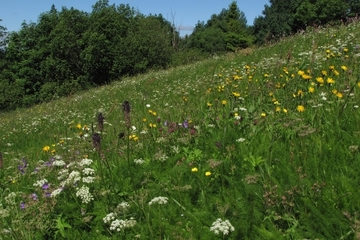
[
  {"x": 300, "y": 108},
  {"x": 339, "y": 95},
  {"x": 56, "y": 192},
  {"x": 330, "y": 81},
  {"x": 208, "y": 104},
  {"x": 277, "y": 109},
  {"x": 207, "y": 174},
  {"x": 194, "y": 169},
  {"x": 84, "y": 194},
  {"x": 78, "y": 126},
  {"x": 34, "y": 196},
  {"x": 323, "y": 72},
  {"x": 223, "y": 102},
  {"x": 345, "y": 49},
  {"x": 320, "y": 80},
  {"x": 23, "y": 166},
  {"x": 263, "y": 114},
  {"x": 236, "y": 94},
  {"x": 285, "y": 110},
  {"x": 144, "y": 119},
  {"x": 88, "y": 179},
  {"x": 118, "y": 225},
  {"x": 109, "y": 217},
  {"x": 22, "y": 205},
  {"x": 40, "y": 183},
  {"x": 88, "y": 171},
  {"x": 240, "y": 139},
  {"x": 344, "y": 68},
  {"x": 159, "y": 200},
  {"x": 185, "y": 124},
  {"x": 59, "y": 163},
  {"x": 336, "y": 73},
  {"x": 147, "y": 105},
  {"x": 139, "y": 161},
  {"x": 311, "y": 89},
  {"x": 220, "y": 226},
  {"x": 85, "y": 162},
  {"x": 96, "y": 140},
  {"x": 46, "y": 148}
]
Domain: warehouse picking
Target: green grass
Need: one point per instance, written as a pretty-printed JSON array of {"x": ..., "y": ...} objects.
[{"x": 255, "y": 138}]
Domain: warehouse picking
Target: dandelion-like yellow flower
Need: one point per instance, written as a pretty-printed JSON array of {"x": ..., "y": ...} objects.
[
  {"x": 311, "y": 89},
  {"x": 78, "y": 126},
  {"x": 144, "y": 119},
  {"x": 345, "y": 49},
  {"x": 323, "y": 72},
  {"x": 263, "y": 114},
  {"x": 330, "y": 81},
  {"x": 207, "y": 174},
  {"x": 306, "y": 76},
  {"x": 327, "y": 51},
  {"x": 223, "y": 102},
  {"x": 320, "y": 80},
  {"x": 277, "y": 109},
  {"x": 53, "y": 151},
  {"x": 300, "y": 93},
  {"x": 331, "y": 67},
  {"x": 285, "y": 110},
  {"x": 344, "y": 68},
  {"x": 339, "y": 95},
  {"x": 336, "y": 73},
  {"x": 209, "y": 104},
  {"x": 236, "y": 94},
  {"x": 300, "y": 108},
  {"x": 194, "y": 169},
  {"x": 152, "y": 125},
  {"x": 300, "y": 72},
  {"x": 46, "y": 148}
]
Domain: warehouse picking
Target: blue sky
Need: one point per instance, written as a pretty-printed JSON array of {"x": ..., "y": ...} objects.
[{"x": 186, "y": 13}]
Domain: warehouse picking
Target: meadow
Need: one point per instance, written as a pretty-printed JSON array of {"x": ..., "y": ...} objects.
[{"x": 258, "y": 144}]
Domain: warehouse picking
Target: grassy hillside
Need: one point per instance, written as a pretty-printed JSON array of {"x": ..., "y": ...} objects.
[{"x": 261, "y": 144}]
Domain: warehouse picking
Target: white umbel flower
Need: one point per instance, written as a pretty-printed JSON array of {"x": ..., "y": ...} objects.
[
  {"x": 84, "y": 194},
  {"x": 159, "y": 200},
  {"x": 220, "y": 226}
]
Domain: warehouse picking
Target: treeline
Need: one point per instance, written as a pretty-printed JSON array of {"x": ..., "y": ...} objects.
[{"x": 70, "y": 50}]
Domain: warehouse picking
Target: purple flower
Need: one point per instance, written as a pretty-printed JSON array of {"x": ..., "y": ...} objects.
[
  {"x": 185, "y": 124},
  {"x": 45, "y": 186},
  {"x": 22, "y": 205},
  {"x": 34, "y": 196}
]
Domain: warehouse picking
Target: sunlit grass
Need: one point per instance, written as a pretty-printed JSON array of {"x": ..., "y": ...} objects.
[{"x": 262, "y": 145}]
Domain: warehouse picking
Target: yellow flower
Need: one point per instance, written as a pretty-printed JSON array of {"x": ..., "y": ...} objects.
[
  {"x": 61, "y": 142},
  {"x": 345, "y": 49},
  {"x": 336, "y": 73},
  {"x": 194, "y": 169},
  {"x": 311, "y": 89},
  {"x": 154, "y": 113},
  {"x": 344, "y": 68},
  {"x": 331, "y": 67},
  {"x": 277, "y": 109},
  {"x": 323, "y": 72},
  {"x": 285, "y": 110},
  {"x": 300, "y": 108},
  {"x": 207, "y": 174},
  {"x": 263, "y": 114},
  {"x": 358, "y": 84},
  {"x": 223, "y": 102},
  {"x": 327, "y": 51},
  {"x": 330, "y": 81},
  {"x": 300, "y": 72},
  {"x": 300, "y": 93},
  {"x": 46, "y": 148},
  {"x": 53, "y": 151},
  {"x": 236, "y": 94},
  {"x": 339, "y": 95},
  {"x": 144, "y": 119},
  {"x": 320, "y": 80},
  {"x": 209, "y": 104},
  {"x": 78, "y": 126},
  {"x": 334, "y": 91},
  {"x": 152, "y": 125}
]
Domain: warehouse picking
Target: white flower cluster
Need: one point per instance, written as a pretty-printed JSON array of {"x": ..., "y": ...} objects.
[
  {"x": 10, "y": 199},
  {"x": 123, "y": 206},
  {"x": 85, "y": 162},
  {"x": 73, "y": 178},
  {"x": 108, "y": 218},
  {"x": 159, "y": 200},
  {"x": 220, "y": 226},
  {"x": 84, "y": 194},
  {"x": 88, "y": 171},
  {"x": 59, "y": 163},
  {"x": 118, "y": 225},
  {"x": 139, "y": 161},
  {"x": 56, "y": 192},
  {"x": 40, "y": 183}
]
